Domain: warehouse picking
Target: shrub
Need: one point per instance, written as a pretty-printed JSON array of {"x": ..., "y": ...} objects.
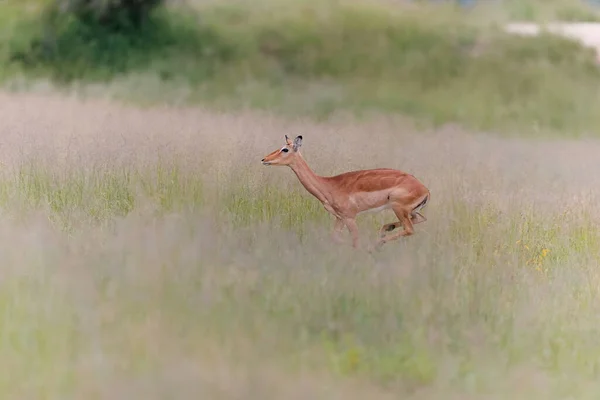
[
  {"x": 96, "y": 43},
  {"x": 113, "y": 14}
]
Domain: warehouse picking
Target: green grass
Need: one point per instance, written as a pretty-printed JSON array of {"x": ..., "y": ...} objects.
[{"x": 431, "y": 63}]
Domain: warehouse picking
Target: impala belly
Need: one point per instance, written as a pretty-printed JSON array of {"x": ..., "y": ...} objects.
[
  {"x": 371, "y": 202},
  {"x": 376, "y": 209}
]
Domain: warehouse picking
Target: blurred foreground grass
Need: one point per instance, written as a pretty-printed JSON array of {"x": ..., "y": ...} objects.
[
  {"x": 153, "y": 281},
  {"x": 431, "y": 62}
]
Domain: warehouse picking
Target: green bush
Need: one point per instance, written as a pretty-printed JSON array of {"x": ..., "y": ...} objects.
[
  {"x": 113, "y": 14},
  {"x": 69, "y": 47}
]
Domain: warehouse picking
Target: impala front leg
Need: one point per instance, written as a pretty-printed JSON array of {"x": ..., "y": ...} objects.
[
  {"x": 330, "y": 209},
  {"x": 336, "y": 235},
  {"x": 353, "y": 229},
  {"x": 337, "y": 231}
]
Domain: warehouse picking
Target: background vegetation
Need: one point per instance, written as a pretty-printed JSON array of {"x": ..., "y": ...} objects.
[
  {"x": 436, "y": 63},
  {"x": 148, "y": 254}
]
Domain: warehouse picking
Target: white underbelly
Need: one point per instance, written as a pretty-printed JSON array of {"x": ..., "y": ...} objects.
[{"x": 376, "y": 209}]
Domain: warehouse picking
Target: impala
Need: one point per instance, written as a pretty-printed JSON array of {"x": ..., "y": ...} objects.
[{"x": 352, "y": 193}]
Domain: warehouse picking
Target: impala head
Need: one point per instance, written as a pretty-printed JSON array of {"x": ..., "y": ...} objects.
[{"x": 286, "y": 154}]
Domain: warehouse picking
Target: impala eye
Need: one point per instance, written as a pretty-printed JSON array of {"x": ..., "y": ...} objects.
[{"x": 285, "y": 150}]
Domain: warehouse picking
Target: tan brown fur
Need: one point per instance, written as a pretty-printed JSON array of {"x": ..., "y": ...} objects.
[{"x": 351, "y": 193}]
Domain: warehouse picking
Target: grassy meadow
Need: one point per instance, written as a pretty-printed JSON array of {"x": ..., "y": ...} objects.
[{"x": 147, "y": 253}]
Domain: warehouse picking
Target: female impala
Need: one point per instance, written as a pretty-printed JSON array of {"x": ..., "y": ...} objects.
[{"x": 351, "y": 193}]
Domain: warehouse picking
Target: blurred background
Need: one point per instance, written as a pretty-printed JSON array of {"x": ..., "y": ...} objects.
[{"x": 317, "y": 58}]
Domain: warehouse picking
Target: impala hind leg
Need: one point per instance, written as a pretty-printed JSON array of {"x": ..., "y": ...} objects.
[
  {"x": 388, "y": 228},
  {"x": 416, "y": 218},
  {"x": 405, "y": 218}
]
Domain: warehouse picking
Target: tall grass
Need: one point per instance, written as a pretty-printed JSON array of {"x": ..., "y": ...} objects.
[
  {"x": 430, "y": 62},
  {"x": 150, "y": 254}
]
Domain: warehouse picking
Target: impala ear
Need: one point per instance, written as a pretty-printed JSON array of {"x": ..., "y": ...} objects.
[
  {"x": 287, "y": 140},
  {"x": 297, "y": 142}
]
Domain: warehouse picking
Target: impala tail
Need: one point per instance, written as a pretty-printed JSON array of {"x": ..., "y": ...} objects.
[{"x": 422, "y": 204}]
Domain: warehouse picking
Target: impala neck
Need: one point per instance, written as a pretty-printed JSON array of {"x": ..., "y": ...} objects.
[{"x": 312, "y": 182}]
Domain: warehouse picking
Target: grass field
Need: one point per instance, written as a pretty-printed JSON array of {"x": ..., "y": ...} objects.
[{"x": 148, "y": 253}]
